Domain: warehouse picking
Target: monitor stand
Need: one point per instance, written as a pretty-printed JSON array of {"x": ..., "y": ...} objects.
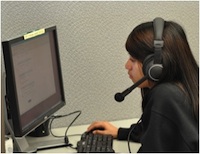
[
  {"x": 46, "y": 143},
  {"x": 40, "y": 131},
  {"x": 32, "y": 144},
  {"x": 26, "y": 144}
]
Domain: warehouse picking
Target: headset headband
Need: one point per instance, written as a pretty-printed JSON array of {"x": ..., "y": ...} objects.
[{"x": 158, "y": 24}]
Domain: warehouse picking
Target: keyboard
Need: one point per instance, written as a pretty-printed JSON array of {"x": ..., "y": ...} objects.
[{"x": 95, "y": 143}]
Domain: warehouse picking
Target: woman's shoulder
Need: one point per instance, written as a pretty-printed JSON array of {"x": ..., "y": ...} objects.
[
  {"x": 167, "y": 90},
  {"x": 167, "y": 97}
]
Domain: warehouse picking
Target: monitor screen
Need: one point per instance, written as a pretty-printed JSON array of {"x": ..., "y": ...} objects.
[{"x": 34, "y": 79}]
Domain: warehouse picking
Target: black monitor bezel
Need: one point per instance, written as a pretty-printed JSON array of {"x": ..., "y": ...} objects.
[{"x": 12, "y": 103}]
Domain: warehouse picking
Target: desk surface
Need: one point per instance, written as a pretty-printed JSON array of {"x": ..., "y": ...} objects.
[{"x": 118, "y": 146}]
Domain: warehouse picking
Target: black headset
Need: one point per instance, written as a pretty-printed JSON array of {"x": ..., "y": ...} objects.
[{"x": 152, "y": 64}]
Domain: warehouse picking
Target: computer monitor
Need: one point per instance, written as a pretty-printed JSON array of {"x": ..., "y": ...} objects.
[{"x": 34, "y": 86}]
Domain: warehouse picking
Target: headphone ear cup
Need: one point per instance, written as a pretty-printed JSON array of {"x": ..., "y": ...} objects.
[
  {"x": 147, "y": 63},
  {"x": 153, "y": 71}
]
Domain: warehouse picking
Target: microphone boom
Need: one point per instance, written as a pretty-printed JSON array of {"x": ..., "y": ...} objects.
[{"x": 119, "y": 97}]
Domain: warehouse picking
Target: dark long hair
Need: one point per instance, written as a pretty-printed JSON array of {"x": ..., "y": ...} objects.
[{"x": 179, "y": 64}]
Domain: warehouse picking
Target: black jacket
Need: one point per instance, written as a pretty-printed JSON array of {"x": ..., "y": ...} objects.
[{"x": 167, "y": 123}]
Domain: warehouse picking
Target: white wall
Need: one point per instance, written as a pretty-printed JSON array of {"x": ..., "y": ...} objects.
[{"x": 91, "y": 37}]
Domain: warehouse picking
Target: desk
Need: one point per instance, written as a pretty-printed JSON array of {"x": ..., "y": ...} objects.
[{"x": 118, "y": 146}]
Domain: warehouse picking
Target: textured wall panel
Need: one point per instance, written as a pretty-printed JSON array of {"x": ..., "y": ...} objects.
[{"x": 91, "y": 39}]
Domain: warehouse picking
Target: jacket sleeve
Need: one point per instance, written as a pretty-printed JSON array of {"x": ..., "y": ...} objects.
[{"x": 135, "y": 134}]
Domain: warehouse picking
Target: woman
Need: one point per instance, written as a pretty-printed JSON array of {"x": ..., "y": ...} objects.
[{"x": 169, "y": 122}]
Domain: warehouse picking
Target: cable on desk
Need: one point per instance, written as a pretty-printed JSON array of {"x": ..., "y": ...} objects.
[
  {"x": 65, "y": 136},
  {"x": 129, "y": 135}
]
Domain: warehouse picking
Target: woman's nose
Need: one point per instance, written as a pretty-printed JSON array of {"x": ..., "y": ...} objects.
[{"x": 128, "y": 64}]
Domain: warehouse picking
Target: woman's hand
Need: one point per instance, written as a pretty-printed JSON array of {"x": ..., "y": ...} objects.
[{"x": 104, "y": 128}]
